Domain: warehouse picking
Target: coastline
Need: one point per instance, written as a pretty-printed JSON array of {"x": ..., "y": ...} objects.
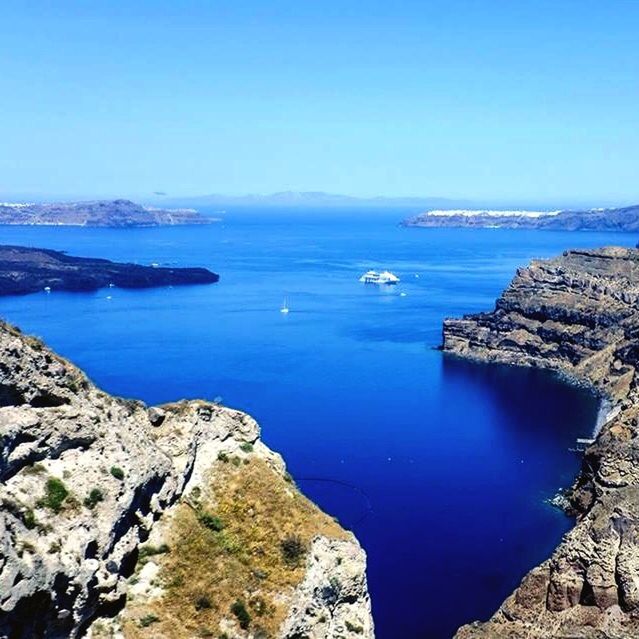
[
  {"x": 105, "y": 500},
  {"x": 575, "y": 315}
]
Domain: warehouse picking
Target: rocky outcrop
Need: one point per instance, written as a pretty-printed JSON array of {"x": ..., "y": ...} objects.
[
  {"x": 328, "y": 602},
  {"x": 600, "y": 219},
  {"x": 113, "y": 213},
  {"x": 27, "y": 270},
  {"x": 87, "y": 478},
  {"x": 576, "y": 314}
]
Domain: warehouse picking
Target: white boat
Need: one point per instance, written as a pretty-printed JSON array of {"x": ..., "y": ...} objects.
[
  {"x": 373, "y": 277},
  {"x": 47, "y": 289},
  {"x": 284, "y": 308}
]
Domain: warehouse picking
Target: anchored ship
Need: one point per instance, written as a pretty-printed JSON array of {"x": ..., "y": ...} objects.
[{"x": 373, "y": 277}]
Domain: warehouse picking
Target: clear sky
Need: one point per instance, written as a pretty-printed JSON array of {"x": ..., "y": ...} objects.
[{"x": 513, "y": 100}]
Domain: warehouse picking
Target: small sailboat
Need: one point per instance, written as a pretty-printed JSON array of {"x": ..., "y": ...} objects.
[{"x": 284, "y": 308}]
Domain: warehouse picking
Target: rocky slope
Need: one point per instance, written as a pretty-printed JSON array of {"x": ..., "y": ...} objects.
[
  {"x": 612, "y": 219},
  {"x": 576, "y": 314},
  {"x": 120, "y": 520},
  {"x": 114, "y": 213},
  {"x": 27, "y": 270}
]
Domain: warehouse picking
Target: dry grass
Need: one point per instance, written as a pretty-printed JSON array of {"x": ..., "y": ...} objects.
[{"x": 208, "y": 570}]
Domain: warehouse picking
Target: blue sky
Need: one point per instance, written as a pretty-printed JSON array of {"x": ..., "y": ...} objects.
[{"x": 509, "y": 100}]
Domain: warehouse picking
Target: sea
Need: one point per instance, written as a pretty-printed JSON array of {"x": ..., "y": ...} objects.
[{"x": 442, "y": 468}]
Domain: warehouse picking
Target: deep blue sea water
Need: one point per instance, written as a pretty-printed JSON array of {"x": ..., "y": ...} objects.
[{"x": 440, "y": 467}]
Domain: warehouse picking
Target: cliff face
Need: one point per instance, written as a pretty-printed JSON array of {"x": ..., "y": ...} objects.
[
  {"x": 613, "y": 219},
  {"x": 119, "y": 520},
  {"x": 576, "y": 314}
]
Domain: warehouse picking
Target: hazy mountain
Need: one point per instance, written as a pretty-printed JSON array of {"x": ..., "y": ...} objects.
[{"x": 311, "y": 199}]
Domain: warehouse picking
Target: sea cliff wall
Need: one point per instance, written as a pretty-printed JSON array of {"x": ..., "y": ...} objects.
[
  {"x": 120, "y": 520},
  {"x": 576, "y": 314}
]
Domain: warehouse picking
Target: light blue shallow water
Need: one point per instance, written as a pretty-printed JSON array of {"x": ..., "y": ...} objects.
[{"x": 445, "y": 465}]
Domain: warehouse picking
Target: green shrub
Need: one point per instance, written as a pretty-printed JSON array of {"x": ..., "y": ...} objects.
[
  {"x": 94, "y": 498},
  {"x": 54, "y": 547},
  {"x": 258, "y": 606},
  {"x": 118, "y": 473},
  {"x": 242, "y": 614},
  {"x": 212, "y": 522},
  {"x": 55, "y": 494},
  {"x": 36, "y": 469},
  {"x": 147, "y": 620},
  {"x": 236, "y": 461},
  {"x": 353, "y": 627},
  {"x": 29, "y": 520},
  {"x": 247, "y": 447},
  {"x": 223, "y": 457},
  {"x": 293, "y": 549},
  {"x": 203, "y": 603},
  {"x": 150, "y": 551}
]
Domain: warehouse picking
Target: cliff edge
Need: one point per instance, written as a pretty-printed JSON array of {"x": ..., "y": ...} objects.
[
  {"x": 600, "y": 219},
  {"x": 576, "y": 314},
  {"x": 120, "y": 520}
]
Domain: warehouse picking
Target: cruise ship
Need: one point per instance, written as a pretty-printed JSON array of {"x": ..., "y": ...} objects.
[{"x": 373, "y": 277}]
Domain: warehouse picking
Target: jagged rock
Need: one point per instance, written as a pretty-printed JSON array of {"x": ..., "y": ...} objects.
[
  {"x": 86, "y": 478},
  {"x": 329, "y": 602},
  {"x": 576, "y": 314}
]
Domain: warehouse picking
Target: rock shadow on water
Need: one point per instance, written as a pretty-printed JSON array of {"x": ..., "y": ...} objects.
[{"x": 541, "y": 403}]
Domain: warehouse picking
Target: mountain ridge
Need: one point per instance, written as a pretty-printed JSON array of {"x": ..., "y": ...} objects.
[{"x": 119, "y": 213}]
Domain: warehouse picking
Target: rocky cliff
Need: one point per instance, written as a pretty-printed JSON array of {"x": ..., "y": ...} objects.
[
  {"x": 601, "y": 219},
  {"x": 576, "y": 314},
  {"x": 113, "y": 213},
  {"x": 120, "y": 520}
]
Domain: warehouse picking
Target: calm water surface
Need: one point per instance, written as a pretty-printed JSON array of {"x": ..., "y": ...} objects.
[{"x": 440, "y": 467}]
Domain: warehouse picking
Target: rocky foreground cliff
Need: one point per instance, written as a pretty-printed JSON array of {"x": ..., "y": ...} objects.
[
  {"x": 577, "y": 314},
  {"x": 120, "y": 520}
]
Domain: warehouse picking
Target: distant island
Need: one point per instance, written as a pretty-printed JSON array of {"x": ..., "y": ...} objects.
[
  {"x": 28, "y": 270},
  {"x": 110, "y": 213},
  {"x": 600, "y": 219},
  {"x": 314, "y": 199}
]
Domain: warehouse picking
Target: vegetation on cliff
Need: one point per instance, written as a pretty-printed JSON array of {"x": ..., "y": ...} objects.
[
  {"x": 236, "y": 572},
  {"x": 91, "y": 484}
]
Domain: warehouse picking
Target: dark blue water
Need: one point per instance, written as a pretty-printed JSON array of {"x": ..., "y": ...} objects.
[{"x": 445, "y": 464}]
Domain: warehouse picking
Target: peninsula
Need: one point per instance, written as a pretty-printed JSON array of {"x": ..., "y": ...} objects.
[
  {"x": 575, "y": 314},
  {"x": 165, "y": 522},
  {"x": 109, "y": 213},
  {"x": 601, "y": 219},
  {"x": 28, "y": 270}
]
